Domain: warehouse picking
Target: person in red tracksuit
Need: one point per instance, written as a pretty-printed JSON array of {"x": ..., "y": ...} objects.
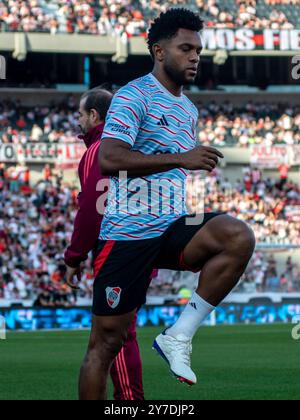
[{"x": 126, "y": 371}]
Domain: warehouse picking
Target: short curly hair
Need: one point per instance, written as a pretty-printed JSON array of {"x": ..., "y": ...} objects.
[{"x": 167, "y": 25}]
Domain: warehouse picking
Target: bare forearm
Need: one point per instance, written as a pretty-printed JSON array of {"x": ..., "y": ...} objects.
[
  {"x": 117, "y": 156},
  {"x": 137, "y": 164}
]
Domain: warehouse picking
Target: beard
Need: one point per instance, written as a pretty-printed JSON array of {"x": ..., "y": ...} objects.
[
  {"x": 177, "y": 76},
  {"x": 83, "y": 129}
]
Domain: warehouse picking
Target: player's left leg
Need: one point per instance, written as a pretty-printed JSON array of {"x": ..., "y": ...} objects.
[
  {"x": 123, "y": 270},
  {"x": 221, "y": 249},
  {"x": 126, "y": 372}
]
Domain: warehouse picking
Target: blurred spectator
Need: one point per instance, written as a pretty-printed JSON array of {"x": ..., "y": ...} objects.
[
  {"x": 36, "y": 133},
  {"x": 284, "y": 174},
  {"x": 44, "y": 299},
  {"x": 47, "y": 173}
]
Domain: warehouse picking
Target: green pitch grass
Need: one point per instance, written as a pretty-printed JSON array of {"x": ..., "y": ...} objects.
[{"x": 243, "y": 362}]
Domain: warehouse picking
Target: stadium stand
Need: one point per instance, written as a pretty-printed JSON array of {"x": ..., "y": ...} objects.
[
  {"x": 18, "y": 125},
  {"x": 36, "y": 224},
  {"x": 264, "y": 124},
  {"x": 133, "y": 17},
  {"x": 263, "y": 275},
  {"x": 219, "y": 125},
  {"x": 262, "y": 203},
  {"x": 36, "y": 219}
]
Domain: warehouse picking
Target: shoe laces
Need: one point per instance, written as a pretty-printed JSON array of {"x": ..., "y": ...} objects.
[{"x": 182, "y": 349}]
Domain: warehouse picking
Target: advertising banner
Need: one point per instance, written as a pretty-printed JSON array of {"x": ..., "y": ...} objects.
[
  {"x": 273, "y": 157},
  {"x": 251, "y": 40},
  {"x": 42, "y": 153}
]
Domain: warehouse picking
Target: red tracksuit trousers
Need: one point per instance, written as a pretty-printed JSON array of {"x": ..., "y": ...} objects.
[{"x": 126, "y": 372}]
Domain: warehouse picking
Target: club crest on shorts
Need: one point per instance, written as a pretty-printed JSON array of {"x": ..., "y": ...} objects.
[{"x": 113, "y": 295}]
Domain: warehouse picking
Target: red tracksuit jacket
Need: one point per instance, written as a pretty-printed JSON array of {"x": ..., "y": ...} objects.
[
  {"x": 126, "y": 372},
  {"x": 88, "y": 220}
]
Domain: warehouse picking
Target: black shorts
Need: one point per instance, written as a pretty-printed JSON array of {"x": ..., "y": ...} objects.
[{"x": 123, "y": 268}]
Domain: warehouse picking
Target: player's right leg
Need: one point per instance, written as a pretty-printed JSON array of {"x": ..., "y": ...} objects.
[
  {"x": 122, "y": 273},
  {"x": 126, "y": 371},
  {"x": 107, "y": 339}
]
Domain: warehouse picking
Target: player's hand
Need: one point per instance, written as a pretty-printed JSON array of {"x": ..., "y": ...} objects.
[
  {"x": 73, "y": 277},
  {"x": 201, "y": 158}
]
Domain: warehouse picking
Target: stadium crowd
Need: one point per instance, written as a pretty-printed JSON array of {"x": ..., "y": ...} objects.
[
  {"x": 252, "y": 124},
  {"x": 263, "y": 203},
  {"x": 219, "y": 125},
  {"x": 36, "y": 225},
  {"x": 262, "y": 275},
  {"x": 132, "y": 17},
  {"x": 245, "y": 15},
  {"x": 54, "y": 124}
]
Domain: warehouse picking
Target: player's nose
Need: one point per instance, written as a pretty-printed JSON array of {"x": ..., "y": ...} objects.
[{"x": 195, "y": 59}]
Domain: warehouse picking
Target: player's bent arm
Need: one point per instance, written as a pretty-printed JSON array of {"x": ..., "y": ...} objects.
[{"x": 116, "y": 156}]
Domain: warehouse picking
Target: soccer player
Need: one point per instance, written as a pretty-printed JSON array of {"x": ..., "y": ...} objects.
[
  {"x": 150, "y": 134},
  {"x": 126, "y": 371}
]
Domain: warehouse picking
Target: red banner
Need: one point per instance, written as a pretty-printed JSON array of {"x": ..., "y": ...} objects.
[
  {"x": 251, "y": 40},
  {"x": 60, "y": 154},
  {"x": 272, "y": 157}
]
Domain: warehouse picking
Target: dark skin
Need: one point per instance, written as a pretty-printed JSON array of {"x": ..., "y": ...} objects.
[
  {"x": 222, "y": 248},
  {"x": 181, "y": 53}
]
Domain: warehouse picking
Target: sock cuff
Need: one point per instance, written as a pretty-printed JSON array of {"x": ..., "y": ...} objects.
[{"x": 200, "y": 301}]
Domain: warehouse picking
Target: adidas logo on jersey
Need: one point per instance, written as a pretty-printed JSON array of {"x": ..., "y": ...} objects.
[{"x": 163, "y": 122}]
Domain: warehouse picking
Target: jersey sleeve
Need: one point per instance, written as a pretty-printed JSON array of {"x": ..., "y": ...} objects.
[{"x": 125, "y": 116}]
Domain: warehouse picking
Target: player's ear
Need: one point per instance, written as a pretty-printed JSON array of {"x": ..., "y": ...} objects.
[{"x": 158, "y": 52}]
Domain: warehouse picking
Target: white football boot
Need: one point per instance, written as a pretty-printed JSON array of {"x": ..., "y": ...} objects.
[{"x": 176, "y": 351}]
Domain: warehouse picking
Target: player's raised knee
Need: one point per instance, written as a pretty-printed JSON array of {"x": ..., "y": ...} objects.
[{"x": 240, "y": 235}]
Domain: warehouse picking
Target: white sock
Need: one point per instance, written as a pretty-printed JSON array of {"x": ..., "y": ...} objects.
[{"x": 191, "y": 318}]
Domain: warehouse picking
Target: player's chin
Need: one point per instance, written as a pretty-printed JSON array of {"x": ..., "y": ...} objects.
[
  {"x": 83, "y": 130},
  {"x": 189, "y": 81},
  {"x": 190, "y": 77}
]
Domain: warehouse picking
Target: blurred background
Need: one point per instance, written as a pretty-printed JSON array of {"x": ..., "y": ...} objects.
[{"x": 247, "y": 93}]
